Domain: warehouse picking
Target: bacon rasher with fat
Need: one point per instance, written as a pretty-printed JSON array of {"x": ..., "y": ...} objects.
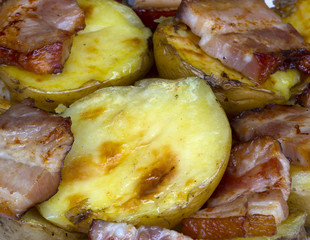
[
  {"x": 33, "y": 145},
  {"x": 250, "y": 199},
  {"x": 36, "y": 35},
  {"x": 290, "y": 125}
]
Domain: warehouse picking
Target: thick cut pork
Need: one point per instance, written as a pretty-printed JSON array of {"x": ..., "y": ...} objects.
[
  {"x": 250, "y": 199},
  {"x": 102, "y": 230},
  {"x": 290, "y": 125},
  {"x": 246, "y": 35},
  {"x": 36, "y": 35},
  {"x": 33, "y": 145}
]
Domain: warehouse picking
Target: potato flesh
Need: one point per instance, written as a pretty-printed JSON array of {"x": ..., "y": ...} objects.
[
  {"x": 146, "y": 154},
  {"x": 111, "y": 50}
]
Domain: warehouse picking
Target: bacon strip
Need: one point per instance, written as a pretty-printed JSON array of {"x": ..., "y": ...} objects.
[
  {"x": 246, "y": 35},
  {"x": 36, "y": 35},
  {"x": 250, "y": 199},
  {"x": 33, "y": 145},
  {"x": 102, "y": 230},
  {"x": 290, "y": 125}
]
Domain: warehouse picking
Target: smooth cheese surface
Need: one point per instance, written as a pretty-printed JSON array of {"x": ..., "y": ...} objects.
[{"x": 146, "y": 154}]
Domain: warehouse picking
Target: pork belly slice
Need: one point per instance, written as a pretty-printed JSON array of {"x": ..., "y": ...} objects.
[
  {"x": 250, "y": 199},
  {"x": 246, "y": 36},
  {"x": 101, "y": 230},
  {"x": 33, "y": 145},
  {"x": 290, "y": 125},
  {"x": 37, "y": 35}
]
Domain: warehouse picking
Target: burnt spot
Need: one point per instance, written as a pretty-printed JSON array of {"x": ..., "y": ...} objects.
[
  {"x": 159, "y": 174},
  {"x": 111, "y": 155},
  {"x": 80, "y": 215},
  {"x": 75, "y": 199},
  {"x": 92, "y": 114},
  {"x": 133, "y": 42},
  {"x": 79, "y": 169}
]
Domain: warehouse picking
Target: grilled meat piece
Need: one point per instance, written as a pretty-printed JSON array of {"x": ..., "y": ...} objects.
[
  {"x": 288, "y": 124},
  {"x": 36, "y": 35},
  {"x": 101, "y": 230},
  {"x": 253, "y": 191},
  {"x": 33, "y": 145}
]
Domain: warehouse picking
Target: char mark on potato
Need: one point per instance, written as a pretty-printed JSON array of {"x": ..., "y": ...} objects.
[
  {"x": 33, "y": 145},
  {"x": 246, "y": 36},
  {"x": 37, "y": 35}
]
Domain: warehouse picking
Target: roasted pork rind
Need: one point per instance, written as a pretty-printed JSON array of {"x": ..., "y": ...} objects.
[{"x": 33, "y": 145}]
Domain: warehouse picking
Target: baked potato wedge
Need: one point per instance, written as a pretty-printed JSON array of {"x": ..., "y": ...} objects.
[
  {"x": 32, "y": 226},
  {"x": 111, "y": 50},
  {"x": 150, "y": 154},
  {"x": 177, "y": 54}
]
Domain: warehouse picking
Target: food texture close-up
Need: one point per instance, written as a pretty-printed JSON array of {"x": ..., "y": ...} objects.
[{"x": 154, "y": 119}]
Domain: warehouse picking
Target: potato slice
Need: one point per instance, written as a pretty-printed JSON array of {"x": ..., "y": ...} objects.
[
  {"x": 177, "y": 54},
  {"x": 146, "y": 154},
  {"x": 32, "y": 226},
  {"x": 111, "y": 50}
]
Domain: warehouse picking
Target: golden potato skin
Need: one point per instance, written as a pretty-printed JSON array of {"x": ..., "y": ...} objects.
[
  {"x": 151, "y": 154},
  {"x": 112, "y": 50},
  {"x": 32, "y": 226},
  {"x": 177, "y": 54}
]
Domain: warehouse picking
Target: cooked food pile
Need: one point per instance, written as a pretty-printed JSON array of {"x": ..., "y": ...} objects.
[
  {"x": 121, "y": 157},
  {"x": 246, "y": 36},
  {"x": 33, "y": 145},
  {"x": 37, "y": 35}
]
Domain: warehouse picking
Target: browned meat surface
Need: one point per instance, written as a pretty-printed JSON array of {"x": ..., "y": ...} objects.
[
  {"x": 102, "y": 230},
  {"x": 246, "y": 35},
  {"x": 303, "y": 99},
  {"x": 33, "y": 145},
  {"x": 156, "y": 4},
  {"x": 250, "y": 199},
  {"x": 36, "y": 34},
  {"x": 290, "y": 125}
]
